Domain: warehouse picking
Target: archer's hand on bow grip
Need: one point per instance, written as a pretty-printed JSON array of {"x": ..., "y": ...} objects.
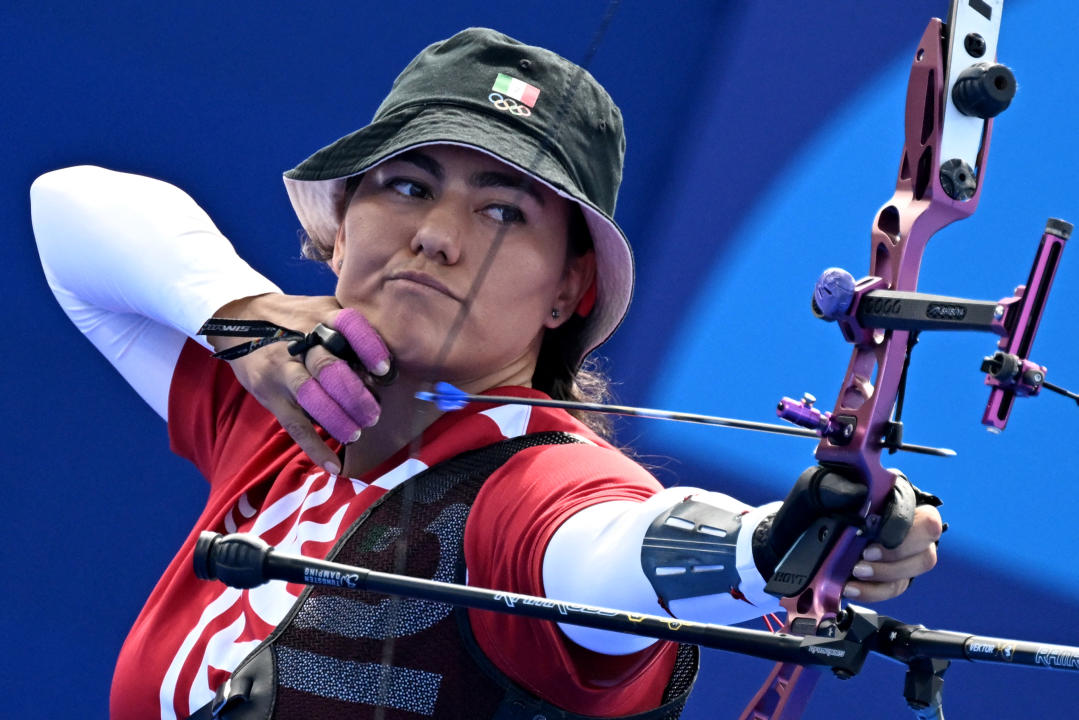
[
  {"x": 904, "y": 543},
  {"x": 817, "y": 493},
  {"x": 904, "y": 548}
]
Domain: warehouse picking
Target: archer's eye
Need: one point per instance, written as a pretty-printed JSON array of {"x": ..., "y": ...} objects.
[
  {"x": 505, "y": 214},
  {"x": 409, "y": 188}
]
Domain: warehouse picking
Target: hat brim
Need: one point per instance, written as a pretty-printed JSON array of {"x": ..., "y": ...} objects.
[{"x": 316, "y": 189}]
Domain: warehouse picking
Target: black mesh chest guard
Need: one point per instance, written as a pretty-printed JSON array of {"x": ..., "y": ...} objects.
[{"x": 355, "y": 655}]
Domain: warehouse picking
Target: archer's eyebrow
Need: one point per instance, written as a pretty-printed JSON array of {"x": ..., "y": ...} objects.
[
  {"x": 482, "y": 179},
  {"x": 422, "y": 161},
  {"x": 515, "y": 181}
]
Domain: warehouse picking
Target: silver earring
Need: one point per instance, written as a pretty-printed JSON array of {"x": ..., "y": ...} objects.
[{"x": 556, "y": 313}]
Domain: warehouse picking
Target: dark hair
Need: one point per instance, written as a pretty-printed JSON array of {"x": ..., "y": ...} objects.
[{"x": 557, "y": 372}]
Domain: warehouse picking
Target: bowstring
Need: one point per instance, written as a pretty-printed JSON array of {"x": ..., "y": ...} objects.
[{"x": 416, "y": 444}]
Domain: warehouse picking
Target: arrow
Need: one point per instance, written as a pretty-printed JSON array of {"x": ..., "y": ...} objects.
[{"x": 449, "y": 398}]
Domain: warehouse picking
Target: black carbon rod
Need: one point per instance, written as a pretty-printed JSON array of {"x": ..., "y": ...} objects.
[
  {"x": 241, "y": 560},
  {"x": 246, "y": 561},
  {"x": 913, "y": 641}
]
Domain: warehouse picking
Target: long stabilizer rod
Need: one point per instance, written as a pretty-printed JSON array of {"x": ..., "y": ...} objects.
[{"x": 245, "y": 561}]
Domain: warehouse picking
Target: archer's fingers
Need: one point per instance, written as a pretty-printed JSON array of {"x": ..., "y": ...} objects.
[
  {"x": 871, "y": 592},
  {"x": 326, "y": 412},
  {"x": 342, "y": 385},
  {"x": 300, "y": 429},
  {"x": 925, "y": 531},
  {"x": 890, "y": 571},
  {"x": 363, "y": 338}
]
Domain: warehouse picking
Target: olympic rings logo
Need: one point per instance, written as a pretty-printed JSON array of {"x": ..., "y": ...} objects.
[{"x": 509, "y": 104}]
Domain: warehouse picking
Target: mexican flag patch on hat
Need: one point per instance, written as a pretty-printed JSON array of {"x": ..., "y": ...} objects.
[{"x": 519, "y": 90}]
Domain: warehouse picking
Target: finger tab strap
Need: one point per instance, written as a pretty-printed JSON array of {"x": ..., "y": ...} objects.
[
  {"x": 334, "y": 342},
  {"x": 266, "y": 332}
]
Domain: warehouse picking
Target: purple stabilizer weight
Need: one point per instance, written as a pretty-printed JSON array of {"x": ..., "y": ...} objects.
[
  {"x": 852, "y": 328},
  {"x": 836, "y": 297},
  {"x": 1015, "y": 376},
  {"x": 833, "y": 294}
]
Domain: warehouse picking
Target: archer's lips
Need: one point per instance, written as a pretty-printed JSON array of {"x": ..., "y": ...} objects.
[{"x": 422, "y": 278}]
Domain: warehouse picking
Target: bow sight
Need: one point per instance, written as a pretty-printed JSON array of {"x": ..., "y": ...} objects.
[{"x": 864, "y": 310}]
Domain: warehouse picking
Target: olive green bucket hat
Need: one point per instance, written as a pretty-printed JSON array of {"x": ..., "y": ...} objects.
[{"x": 523, "y": 105}]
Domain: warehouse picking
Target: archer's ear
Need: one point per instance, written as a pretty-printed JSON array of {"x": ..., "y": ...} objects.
[
  {"x": 578, "y": 277},
  {"x": 337, "y": 257}
]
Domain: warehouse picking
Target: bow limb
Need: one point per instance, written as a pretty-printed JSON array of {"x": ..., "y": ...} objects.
[{"x": 901, "y": 230}]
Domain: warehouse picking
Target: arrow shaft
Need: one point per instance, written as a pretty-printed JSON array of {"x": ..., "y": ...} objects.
[{"x": 655, "y": 414}]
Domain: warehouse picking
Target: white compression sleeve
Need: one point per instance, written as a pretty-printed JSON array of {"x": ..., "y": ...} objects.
[
  {"x": 610, "y": 574},
  {"x": 137, "y": 265}
]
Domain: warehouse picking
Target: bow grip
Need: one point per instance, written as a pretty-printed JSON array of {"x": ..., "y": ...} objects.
[{"x": 1021, "y": 322}]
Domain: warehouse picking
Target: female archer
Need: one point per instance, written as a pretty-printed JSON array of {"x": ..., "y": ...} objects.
[{"x": 470, "y": 228}]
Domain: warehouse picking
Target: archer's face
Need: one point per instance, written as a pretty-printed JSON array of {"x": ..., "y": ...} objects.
[{"x": 415, "y": 235}]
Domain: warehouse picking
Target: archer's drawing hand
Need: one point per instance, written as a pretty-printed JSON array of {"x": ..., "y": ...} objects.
[{"x": 315, "y": 385}]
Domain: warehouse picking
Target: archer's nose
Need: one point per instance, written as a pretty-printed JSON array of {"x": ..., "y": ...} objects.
[{"x": 439, "y": 234}]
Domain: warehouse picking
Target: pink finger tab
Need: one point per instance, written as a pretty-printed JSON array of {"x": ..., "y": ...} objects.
[
  {"x": 364, "y": 340},
  {"x": 341, "y": 383},
  {"x": 325, "y": 411}
]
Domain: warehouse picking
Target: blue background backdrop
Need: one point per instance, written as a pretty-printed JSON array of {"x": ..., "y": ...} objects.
[{"x": 762, "y": 139}]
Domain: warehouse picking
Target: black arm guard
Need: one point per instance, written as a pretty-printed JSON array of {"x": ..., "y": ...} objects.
[{"x": 690, "y": 551}]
